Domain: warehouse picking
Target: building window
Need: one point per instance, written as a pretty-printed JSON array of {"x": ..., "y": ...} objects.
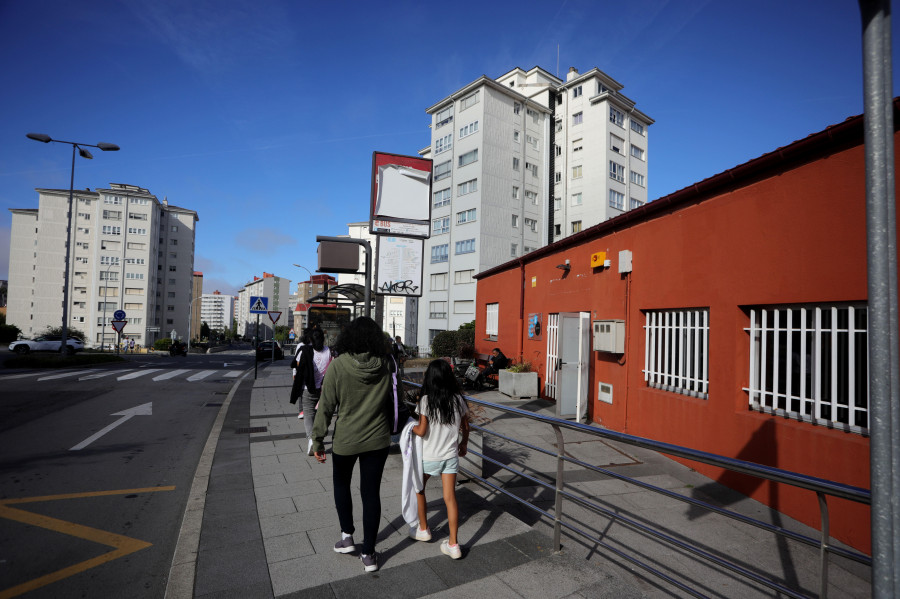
[
  {"x": 531, "y": 196},
  {"x": 637, "y": 179},
  {"x": 576, "y": 172},
  {"x": 441, "y": 198},
  {"x": 601, "y": 89},
  {"x": 558, "y": 178},
  {"x": 468, "y": 129},
  {"x": 531, "y": 223},
  {"x": 443, "y": 117},
  {"x": 134, "y": 291},
  {"x": 576, "y": 226},
  {"x": 616, "y": 171},
  {"x": 170, "y": 308},
  {"x": 469, "y": 101},
  {"x": 516, "y": 136},
  {"x": 171, "y": 294},
  {"x": 437, "y": 309},
  {"x": 576, "y": 91},
  {"x": 467, "y": 187},
  {"x": 616, "y": 144},
  {"x": 442, "y": 171},
  {"x": 677, "y": 351},
  {"x": 112, "y": 214},
  {"x": 468, "y": 157},
  {"x": 637, "y": 127},
  {"x": 440, "y": 225},
  {"x": 557, "y": 230},
  {"x": 466, "y": 216},
  {"x": 534, "y": 114},
  {"x": 616, "y": 117},
  {"x": 616, "y": 199},
  {"x": 577, "y": 145},
  {"x": 172, "y": 268},
  {"x": 515, "y": 220},
  {"x": 577, "y": 118},
  {"x": 109, "y": 259},
  {"x": 464, "y": 307},
  {"x": 114, "y": 200},
  {"x": 557, "y": 203},
  {"x": 576, "y": 199},
  {"x": 492, "y": 320},
  {"x": 439, "y": 281},
  {"x": 442, "y": 144},
  {"x": 557, "y": 149},
  {"x": 637, "y": 152},
  {"x": 462, "y": 277},
  {"x": 810, "y": 363},
  {"x": 517, "y": 108},
  {"x": 531, "y": 168},
  {"x": 439, "y": 253},
  {"x": 134, "y": 276},
  {"x": 136, "y": 231},
  {"x": 84, "y": 215},
  {"x": 633, "y": 203},
  {"x": 534, "y": 142},
  {"x": 137, "y": 216},
  {"x": 111, "y": 230},
  {"x": 514, "y": 249},
  {"x": 515, "y": 192},
  {"x": 109, "y": 276},
  {"x": 174, "y": 228},
  {"x": 466, "y": 246},
  {"x": 515, "y": 163}
]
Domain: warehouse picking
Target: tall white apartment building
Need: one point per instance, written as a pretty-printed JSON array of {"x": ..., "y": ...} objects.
[
  {"x": 398, "y": 314},
  {"x": 278, "y": 290},
  {"x": 519, "y": 162},
  {"x": 217, "y": 311},
  {"x": 128, "y": 251}
]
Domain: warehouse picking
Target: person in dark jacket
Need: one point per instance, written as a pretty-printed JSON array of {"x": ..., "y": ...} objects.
[
  {"x": 311, "y": 366},
  {"x": 496, "y": 362},
  {"x": 358, "y": 384}
]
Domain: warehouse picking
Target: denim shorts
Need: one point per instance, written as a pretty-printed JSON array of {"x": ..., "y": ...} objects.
[{"x": 436, "y": 468}]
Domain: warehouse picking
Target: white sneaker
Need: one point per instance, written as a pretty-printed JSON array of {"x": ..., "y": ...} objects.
[
  {"x": 455, "y": 551},
  {"x": 420, "y": 535},
  {"x": 309, "y": 449}
]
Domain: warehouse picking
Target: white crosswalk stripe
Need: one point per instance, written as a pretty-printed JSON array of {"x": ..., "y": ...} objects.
[
  {"x": 64, "y": 375},
  {"x": 201, "y": 375},
  {"x": 169, "y": 375},
  {"x": 233, "y": 373},
  {"x": 139, "y": 373},
  {"x": 100, "y": 374}
]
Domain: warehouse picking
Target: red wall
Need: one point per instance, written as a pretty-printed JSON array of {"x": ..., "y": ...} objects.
[{"x": 795, "y": 237}]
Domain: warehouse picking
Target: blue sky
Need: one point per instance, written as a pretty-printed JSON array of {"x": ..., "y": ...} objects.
[{"x": 263, "y": 116}]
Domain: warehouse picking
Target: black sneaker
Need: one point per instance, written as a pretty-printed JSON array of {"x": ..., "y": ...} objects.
[
  {"x": 345, "y": 545},
  {"x": 370, "y": 561}
]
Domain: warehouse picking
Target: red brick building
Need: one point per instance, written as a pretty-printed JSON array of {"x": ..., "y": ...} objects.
[{"x": 734, "y": 312}]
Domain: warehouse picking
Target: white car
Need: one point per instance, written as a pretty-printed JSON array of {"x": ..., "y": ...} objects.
[{"x": 46, "y": 343}]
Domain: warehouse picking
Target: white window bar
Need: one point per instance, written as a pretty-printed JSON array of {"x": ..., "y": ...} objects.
[
  {"x": 676, "y": 351},
  {"x": 810, "y": 363}
]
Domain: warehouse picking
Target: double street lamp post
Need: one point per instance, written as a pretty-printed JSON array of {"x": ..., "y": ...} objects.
[{"x": 84, "y": 153}]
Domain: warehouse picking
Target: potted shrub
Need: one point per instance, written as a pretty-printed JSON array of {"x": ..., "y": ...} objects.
[{"x": 519, "y": 381}]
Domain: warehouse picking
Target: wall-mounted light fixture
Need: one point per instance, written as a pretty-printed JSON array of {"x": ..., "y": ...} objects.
[{"x": 566, "y": 267}]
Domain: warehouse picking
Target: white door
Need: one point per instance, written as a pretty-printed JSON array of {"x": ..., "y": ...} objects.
[{"x": 572, "y": 375}]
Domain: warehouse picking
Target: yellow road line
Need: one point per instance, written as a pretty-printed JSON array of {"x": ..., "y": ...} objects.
[{"x": 122, "y": 545}]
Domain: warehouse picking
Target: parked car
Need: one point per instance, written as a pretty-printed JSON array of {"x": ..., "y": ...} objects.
[
  {"x": 264, "y": 350},
  {"x": 46, "y": 343}
]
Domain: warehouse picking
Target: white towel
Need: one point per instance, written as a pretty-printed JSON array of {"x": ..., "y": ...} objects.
[{"x": 413, "y": 473}]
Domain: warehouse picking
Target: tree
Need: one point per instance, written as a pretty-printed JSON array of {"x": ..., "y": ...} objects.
[
  {"x": 204, "y": 330},
  {"x": 71, "y": 332},
  {"x": 281, "y": 333}
]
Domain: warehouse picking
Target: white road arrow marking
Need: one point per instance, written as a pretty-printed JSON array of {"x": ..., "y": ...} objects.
[{"x": 141, "y": 410}]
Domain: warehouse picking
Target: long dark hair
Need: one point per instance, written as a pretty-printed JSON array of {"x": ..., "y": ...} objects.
[
  {"x": 442, "y": 390},
  {"x": 317, "y": 339},
  {"x": 361, "y": 336}
]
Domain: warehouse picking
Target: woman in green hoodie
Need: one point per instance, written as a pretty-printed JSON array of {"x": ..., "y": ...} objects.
[{"x": 358, "y": 384}]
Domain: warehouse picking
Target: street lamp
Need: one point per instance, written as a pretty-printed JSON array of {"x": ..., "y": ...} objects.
[{"x": 84, "y": 153}]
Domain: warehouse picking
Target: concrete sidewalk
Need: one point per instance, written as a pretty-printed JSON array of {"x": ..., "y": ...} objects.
[{"x": 269, "y": 522}]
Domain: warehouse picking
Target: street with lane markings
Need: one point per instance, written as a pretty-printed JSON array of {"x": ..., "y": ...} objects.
[{"x": 95, "y": 469}]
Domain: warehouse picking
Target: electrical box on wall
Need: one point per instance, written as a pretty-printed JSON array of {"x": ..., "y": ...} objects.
[
  {"x": 609, "y": 336},
  {"x": 604, "y": 392}
]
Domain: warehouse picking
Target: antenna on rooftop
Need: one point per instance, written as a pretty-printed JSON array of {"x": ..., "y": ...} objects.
[{"x": 557, "y": 61}]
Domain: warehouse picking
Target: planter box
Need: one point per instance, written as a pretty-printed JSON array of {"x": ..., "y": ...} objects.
[{"x": 518, "y": 384}]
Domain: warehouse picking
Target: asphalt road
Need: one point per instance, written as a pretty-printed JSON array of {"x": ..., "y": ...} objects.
[{"x": 95, "y": 470}]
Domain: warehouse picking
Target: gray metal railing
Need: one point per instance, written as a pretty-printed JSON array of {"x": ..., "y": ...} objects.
[{"x": 821, "y": 487}]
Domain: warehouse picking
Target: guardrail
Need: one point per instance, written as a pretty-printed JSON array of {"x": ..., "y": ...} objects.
[{"x": 821, "y": 487}]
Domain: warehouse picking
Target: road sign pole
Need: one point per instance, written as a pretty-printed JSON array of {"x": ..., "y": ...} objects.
[{"x": 255, "y": 361}]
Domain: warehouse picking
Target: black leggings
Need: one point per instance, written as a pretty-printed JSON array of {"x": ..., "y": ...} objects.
[{"x": 371, "y": 467}]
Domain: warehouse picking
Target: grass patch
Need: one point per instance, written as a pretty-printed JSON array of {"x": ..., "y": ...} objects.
[{"x": 52, "y": 360}]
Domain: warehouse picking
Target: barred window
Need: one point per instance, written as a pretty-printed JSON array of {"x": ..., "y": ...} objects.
[
  {"x": 492, "y": 320},
  {"x": 676, "y": 350},
  {"x": 810, "y": 363}
]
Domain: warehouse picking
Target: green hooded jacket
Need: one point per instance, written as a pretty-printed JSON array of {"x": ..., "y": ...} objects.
[{"x": 357, "y": 387}]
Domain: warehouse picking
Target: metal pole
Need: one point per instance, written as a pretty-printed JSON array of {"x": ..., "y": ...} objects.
[
  {"x": 255, "y": 361},
  {"x": 65, "y": 307},
  {"x": 884, "y": 371}
]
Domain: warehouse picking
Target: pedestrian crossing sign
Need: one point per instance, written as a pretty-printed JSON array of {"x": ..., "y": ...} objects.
[{"x": 259, "y": 304}]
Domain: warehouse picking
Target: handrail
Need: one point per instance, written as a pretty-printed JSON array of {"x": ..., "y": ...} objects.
[{"x": 821, "y": 487}]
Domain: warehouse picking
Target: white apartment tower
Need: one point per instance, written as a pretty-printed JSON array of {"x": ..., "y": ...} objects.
[
  {"x": 217, "y": 311},
  {"x": 519, "y": 162},
  {"x": 278, "y": 290},
  {"x": 128, "y": 251}
]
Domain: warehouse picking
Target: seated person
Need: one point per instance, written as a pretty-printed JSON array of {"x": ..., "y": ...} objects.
[{"x": 496, "y": 362}]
